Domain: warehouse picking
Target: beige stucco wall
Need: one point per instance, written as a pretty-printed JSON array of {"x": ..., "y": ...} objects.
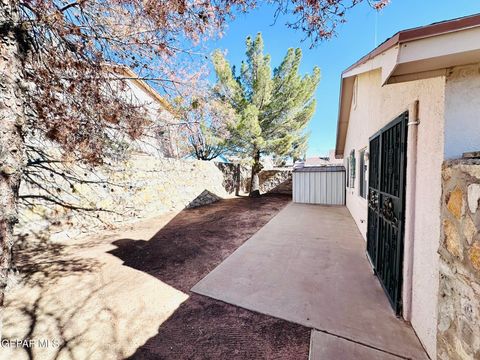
[
  {"x": 462, "y": 101},
  {"x": 373, "y": 107},
  {"x": 152, "y": 142}
]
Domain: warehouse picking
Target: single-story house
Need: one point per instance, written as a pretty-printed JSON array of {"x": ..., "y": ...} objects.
[{"x": 406, "y": 107}]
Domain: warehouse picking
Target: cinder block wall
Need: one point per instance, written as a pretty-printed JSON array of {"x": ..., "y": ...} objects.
[{"x": 458, "y": 331}]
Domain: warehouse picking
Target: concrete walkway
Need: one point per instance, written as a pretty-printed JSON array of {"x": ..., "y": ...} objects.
[{"x": 308, "y": 266}]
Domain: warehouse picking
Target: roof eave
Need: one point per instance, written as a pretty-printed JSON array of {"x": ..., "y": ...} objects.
[
  {"x": 345, "y": 101},
  {"x": 391, "y": 69},
  {"x": 421, "y": 32}
]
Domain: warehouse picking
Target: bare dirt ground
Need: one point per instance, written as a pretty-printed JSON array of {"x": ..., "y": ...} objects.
[
  {"x": 126, "y": 294},
  {"x": 186, "y": 250}
]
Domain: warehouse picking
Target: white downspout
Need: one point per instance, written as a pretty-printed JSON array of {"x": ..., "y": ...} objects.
[{"x": 413, "y": 122}]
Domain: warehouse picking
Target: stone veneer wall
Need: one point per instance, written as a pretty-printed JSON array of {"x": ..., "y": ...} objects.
[
  {"x": 141, "y": 187},
  {"x": 276, "y": 181},
  {"x": 458, "y": 332}
]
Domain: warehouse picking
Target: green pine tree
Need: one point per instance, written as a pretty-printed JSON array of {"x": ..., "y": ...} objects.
[{"x": 272, "y": 112}]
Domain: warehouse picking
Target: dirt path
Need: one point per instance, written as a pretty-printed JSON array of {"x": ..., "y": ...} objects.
[{"x": 184, "y": 251}]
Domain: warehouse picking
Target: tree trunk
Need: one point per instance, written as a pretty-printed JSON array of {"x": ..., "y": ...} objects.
[
  {"x": 238, "y": 179},
  {"x": 12, "y": 119},
  {"x": 255, "y": 180}
]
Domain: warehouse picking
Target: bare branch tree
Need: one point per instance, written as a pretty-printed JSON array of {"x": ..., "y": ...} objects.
[{"x": 56, "y": 73}]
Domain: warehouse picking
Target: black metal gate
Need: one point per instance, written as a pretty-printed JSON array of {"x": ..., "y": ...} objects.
[{"x": 386, "y": 203}]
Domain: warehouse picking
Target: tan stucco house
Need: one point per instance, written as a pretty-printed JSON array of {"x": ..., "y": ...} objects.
[
  {"x": 406, "y": 107},
  {"x": 161, "y": 138}
]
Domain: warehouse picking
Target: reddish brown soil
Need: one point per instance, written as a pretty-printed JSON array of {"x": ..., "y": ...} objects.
[{"x": 182, "y": 253}]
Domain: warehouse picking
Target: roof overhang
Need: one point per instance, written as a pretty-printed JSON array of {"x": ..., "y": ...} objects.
[{"x": 409, "y": 55}]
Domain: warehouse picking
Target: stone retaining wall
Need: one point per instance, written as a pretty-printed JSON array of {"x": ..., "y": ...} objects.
[
  {"x": 458, "y": 332},
  {"x": 277, "y": 181},
  {"x": 141, "y": 187}
]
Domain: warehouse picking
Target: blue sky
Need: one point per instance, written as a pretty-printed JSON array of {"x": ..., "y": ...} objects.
[{"x": 353, "y": 40}]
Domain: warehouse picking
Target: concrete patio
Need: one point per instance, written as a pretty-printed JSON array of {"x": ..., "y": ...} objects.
[{"x": 308, "y": 266}]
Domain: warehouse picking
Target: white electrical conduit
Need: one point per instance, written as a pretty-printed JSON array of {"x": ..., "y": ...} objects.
[{"x": 413, "y": 122}]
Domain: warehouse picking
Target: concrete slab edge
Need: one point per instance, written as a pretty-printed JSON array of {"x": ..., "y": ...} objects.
[
  {"x": 310, "y": 352},
  {"x": 199, "y": 292},
  {"x": 310, "y": 356}
]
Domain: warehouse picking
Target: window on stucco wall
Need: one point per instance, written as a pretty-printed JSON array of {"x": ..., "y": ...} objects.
[
  {"x": 362, "y": 191},
  {"x": 348, "y": 172},
  {"x": 352, "y": 165}
]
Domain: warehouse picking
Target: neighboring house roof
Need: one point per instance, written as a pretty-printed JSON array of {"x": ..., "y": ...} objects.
[
  {"x": 412, "y": 54},
  {"x": 316, "y": 161}
]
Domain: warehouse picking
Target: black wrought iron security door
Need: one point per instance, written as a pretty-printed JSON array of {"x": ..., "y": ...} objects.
[{"x": 386, "y": 203}]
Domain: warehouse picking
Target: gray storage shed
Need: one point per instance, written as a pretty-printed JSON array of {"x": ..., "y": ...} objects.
[{"x": 319, "y": 185}]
